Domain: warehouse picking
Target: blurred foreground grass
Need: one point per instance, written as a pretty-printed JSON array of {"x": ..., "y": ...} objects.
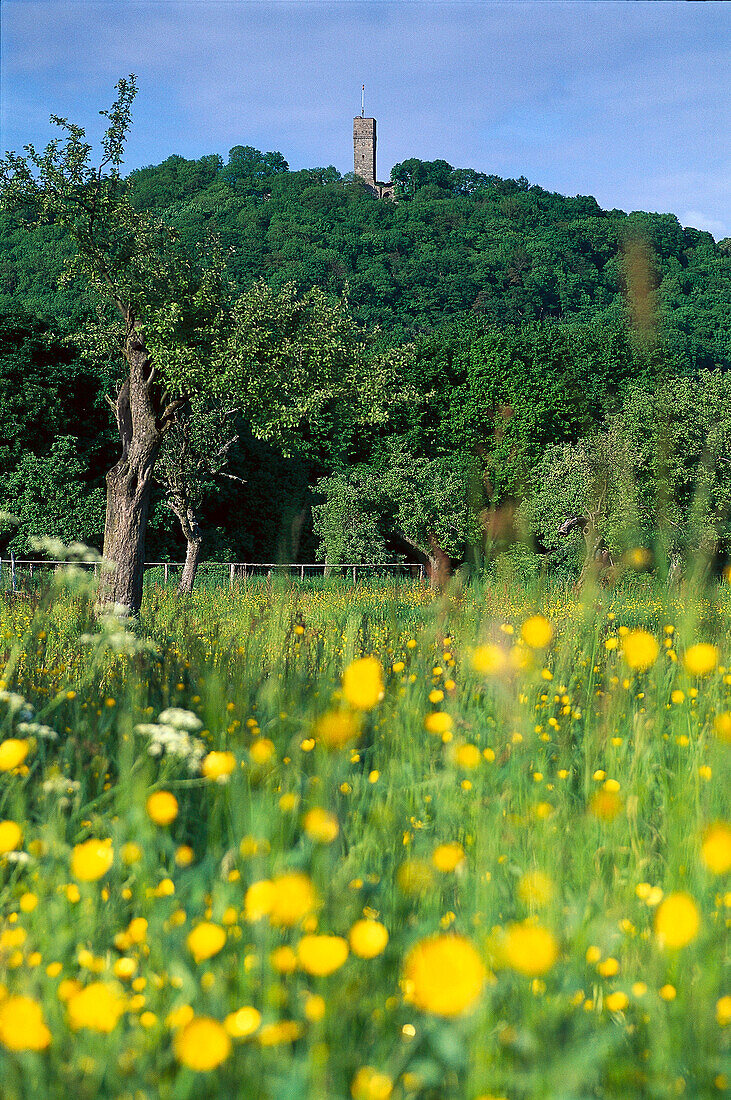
[{"x": 491, "y": 862}]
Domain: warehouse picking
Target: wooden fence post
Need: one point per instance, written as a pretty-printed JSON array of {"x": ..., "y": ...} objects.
[
  {"x": 165, "y": 572},
  {"x": 12, "y": 571},
  {"x": 231, "y": 575}
]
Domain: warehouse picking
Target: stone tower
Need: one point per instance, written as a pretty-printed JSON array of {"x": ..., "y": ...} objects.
[{"x": 364, "y": 149}]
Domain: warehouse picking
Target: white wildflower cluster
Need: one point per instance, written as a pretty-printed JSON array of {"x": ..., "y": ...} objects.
[
  {"x": 36, "y": 729},
  {"x": 181, "y": 719},
  {"x": 114, "y": 635},
  {"x": 19, "y": 708},
  {"x": 172, "y": 734},
  {"x": 61, "y": 787},
  {"x": 60, "y": 784}
]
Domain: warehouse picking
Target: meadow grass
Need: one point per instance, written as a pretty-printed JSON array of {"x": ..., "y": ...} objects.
[{"x": 536, "y": 815}]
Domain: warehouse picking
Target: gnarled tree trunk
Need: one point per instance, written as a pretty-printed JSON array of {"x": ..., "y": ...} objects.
[
  {"x": 129, "y": 482},
  {"x": 439, "y": 567},
  {"x": 194, "y": 541}
]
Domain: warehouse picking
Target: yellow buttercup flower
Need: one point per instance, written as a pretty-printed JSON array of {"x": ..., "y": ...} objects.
[
  {"x": 640, "y": 650},
  {"x": 162, "y": 807},
  {"x": 716, "y": 848},
  {"x": 262, "y": 751},
  {"x": 242, "y": 1023},
  {"x": 97, "y": 1007},
  {"x": 605, "y": 805},
  {"x": 488, "y": 660},
  {"x": 92, "y": 859},
  {"x": 700, "y": 659},
  {"x": 529, "y": 948},
  {"x": 22, "y": 1026},
  {"x": 639, "y": 557},
  {"x": 368, "y": 938},
  {"x": 294, "y": 898},
  {"x": 537, "y": 632},
  {"x": 467, "y": 756},
  {"x": 11, "y": 836},
  {"x": 448, "y": 857},
  {"x": 443, "y": 975},
  {"x": 202, "y": 1044},
  {"x": 369, "y": 1084},
  {"x": 184, "y": 855},
  {"x": 315, "y": 1007},
  {"x": 616, "y": 1001},
  {"x": 283, "y": 959},
  {"x": 723, "y": 1010},
  {"x": 218, "y": 766},
  {"x": 321, "y": 955},
  {"x": 677, "y": 920},
  {"x": 722, "y": 727},
  {"x": 321, "y": 825},
  {"x": 13, "y": 751},
  {"x": 363, "y": 683},
  {"x": 205, "y": 940},
  {"x": 274, "y": 1035},
  {"x": 438, "y": 722},
  {"x": 259, "y": 900},
  {"x": 131, "y": 853},
  {"x": 337, "y": 728}
]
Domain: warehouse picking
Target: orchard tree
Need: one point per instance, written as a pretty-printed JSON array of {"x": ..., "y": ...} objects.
[
  {"x": 296, "y": 370},
  {"x": 290, "y": 365},
  {"x": 419, "y": 505},
  {"x": 167, "y": 305},
  {"x": 194, "y": 454}
]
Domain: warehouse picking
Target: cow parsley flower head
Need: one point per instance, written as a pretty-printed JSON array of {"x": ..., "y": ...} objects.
[
  {"x": 180, "y": 719},
  {"x": 36, "y": 729},
  {"x": 173, "y": 741}
]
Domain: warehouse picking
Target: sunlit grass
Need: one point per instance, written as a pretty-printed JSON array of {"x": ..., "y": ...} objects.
[{"x": 493, "y": 864}]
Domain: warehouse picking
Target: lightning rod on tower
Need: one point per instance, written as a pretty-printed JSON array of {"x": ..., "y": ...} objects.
[{"x": 362, "y": 101}]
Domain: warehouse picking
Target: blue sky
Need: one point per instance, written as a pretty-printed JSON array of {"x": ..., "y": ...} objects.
[{"x": 629, "y": 102}]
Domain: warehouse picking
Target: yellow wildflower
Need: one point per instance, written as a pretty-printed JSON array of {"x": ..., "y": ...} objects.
[
  {"x": 202, "y": 1044},
  {"x": 13, "y": 751},
  {"x": 677, "y": 920},
  {"x": 640, "y": 650},
  {"x": 22, "y": 1026},
  {"x": 162, "y": 807},
  {"x": 368, "y": 938},
  {"x": 205, "y": 940},
  {"x": 321, "y": 955},
  {"x": 363, "y": 683},
  {"x": 443, "y": 975},
  {"x": 92, "y": 859}
]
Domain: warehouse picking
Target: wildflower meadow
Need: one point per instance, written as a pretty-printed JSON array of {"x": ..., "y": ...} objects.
[{"x": 314, "y": 841}]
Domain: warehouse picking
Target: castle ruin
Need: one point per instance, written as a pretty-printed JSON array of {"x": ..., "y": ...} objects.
[{"x": 364, "y": 155}]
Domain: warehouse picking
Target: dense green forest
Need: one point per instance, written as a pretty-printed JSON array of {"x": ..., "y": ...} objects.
[{"x": 531, "y": 323}]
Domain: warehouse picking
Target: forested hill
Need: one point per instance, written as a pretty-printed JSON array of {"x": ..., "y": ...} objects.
[
  {"x": 532, "y": 316},
  {"x": 456, "y": 242}
]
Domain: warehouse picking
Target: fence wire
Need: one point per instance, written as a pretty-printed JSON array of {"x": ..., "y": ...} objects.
[{"x": 27, "y": 574}]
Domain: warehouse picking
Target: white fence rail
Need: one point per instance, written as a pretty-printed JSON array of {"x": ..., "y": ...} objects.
[{"x": 17, "y": 574}]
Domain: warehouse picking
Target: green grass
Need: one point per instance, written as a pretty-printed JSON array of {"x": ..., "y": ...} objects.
[{"x": 263, "y": 664}]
